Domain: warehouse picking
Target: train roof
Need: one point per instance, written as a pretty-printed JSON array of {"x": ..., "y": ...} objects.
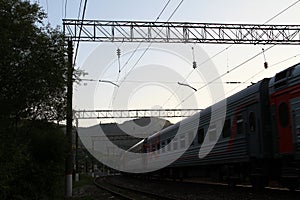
[
  {"x": 169, "y": 128},
  {"x": 136, "y": 145},
  {"x": 287, "y": 77},
  {"x": 239, "y": 95},
  {"x": 254, "y": 88}
]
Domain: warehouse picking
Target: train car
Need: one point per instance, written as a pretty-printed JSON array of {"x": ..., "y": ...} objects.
[
  {"x": 285, "y": 110},
  {"x": 257, "y": 141},
  {"x": 239, "y": 145}
]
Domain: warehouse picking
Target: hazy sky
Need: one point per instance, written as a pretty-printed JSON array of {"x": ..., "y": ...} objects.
[{"x": 152, "y": 80}]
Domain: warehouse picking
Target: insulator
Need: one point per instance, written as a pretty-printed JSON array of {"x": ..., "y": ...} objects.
[
  {"x": 266, "y": 65},
  {"x": 119, "y": 52},
  {"x": 194, "y": 65}
]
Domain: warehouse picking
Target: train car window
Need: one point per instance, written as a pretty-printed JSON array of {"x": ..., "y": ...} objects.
[
  {"x": 191, "y": 137},
  {"x": 175, "y": 144},
  {"x": 252, "y": 124},
  {"x": 226, "y": 128},
  {"x": 158, "y": 146},
  {"x": 182, "y": 141},
  {"x": 283, "y": 114},
  {"x": 212, "y": 133},
  {"x": 169, "y": 145},
  {"x": 200, "y": 135},
  {"x": 239, "y": 124},
  {"x": 163, "y": 144}
]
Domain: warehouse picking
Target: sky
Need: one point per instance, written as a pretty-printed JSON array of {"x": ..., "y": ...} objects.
[{"x": 151, "y": 80}]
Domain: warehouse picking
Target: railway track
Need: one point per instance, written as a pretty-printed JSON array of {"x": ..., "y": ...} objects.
[
  {"x": 127, "y": 193},
  {"x": 270, "y": 188},
  {"x": 138, "y": 188}
]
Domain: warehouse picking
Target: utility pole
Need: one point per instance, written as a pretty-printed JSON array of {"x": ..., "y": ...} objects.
[
  {"x": 69, "y": 156},
  {"x": 76, "y": 153}
]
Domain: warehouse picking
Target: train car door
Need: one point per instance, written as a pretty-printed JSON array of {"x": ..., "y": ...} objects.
[{"x": 283, "y": 123}]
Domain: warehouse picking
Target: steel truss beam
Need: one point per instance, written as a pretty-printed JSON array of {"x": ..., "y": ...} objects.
[
  {"x": 110, "y": 114},
  {"x": 180, "y": 32}
]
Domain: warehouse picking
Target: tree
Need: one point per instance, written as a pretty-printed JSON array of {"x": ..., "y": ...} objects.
[
  {"x": 32, "y": 164},
  {"x": 32, "y": 93},
  {"x": 32, "y": 64}
]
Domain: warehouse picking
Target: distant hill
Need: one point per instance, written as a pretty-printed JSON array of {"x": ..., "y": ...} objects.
[{"x": 128, "y": 133}]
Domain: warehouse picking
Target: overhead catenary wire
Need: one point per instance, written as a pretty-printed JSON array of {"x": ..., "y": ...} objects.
[
  {"x": 218, "y": 53},
  {"x": 66, "y": 4},
  {"x": 166, "y": 82},
  {"x": 236, "y": 67},
  {"x": 256, "y": 74},
  {"x": 161, "y": 12},
  {"x": 187, "y": 86},
  {"x": 79, "y": 10},
  {"x": 148, "y": 47},
  {"x": 189, "y": 74},
  {"x": 135, "y": 50},
  {"x": 47, "y": 5},
  {"x": 293, "y": 4},
  {"x": 175, "y": 10},
  {"x": 80, "y": 30}
]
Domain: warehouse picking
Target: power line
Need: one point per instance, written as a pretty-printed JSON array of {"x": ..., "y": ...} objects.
[
  {"x": 79, "y": 10},
  {"x": 236, "y": 67},
  {"x": 66, "y": 3},
  {"x": 135, "y": 50},
  {"x": 248, "y": 80},
  {"x": 80, "y": 30},
  {"x": 281, "y": 12},
  {"x": 47, "y": 8},
  {"x": 175, "y": 10},
  {"x": 147, "y": 48},
  {"x": 293, "y": 4},
  {"x": 189, "y": 74},
  {"x": 218, "y": 53},
  {"x": 163, "y": 10},
  {"x": 164, "y": 82}
]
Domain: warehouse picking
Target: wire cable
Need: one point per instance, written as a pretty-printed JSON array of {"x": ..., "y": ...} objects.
[
  {"x": 189, "y": 74},
  {"x": 293, "y": 4},
  {"x": 79, "y": 10},
  {"x": 66, "y": 3},
  {"x": 148, "y": 47},
  {"x": 236, "y": 67},
  {"x": 80, "y": 30},
  {"x": 135, "y": 50},
  {"x": 163, "y": 10},
  {"x": 248, "y": 80},
  {"x": 175, "y": 10},
  {"x": 144, "y": 52},
  {"x": 47, "y": 9},
  {"x": 218, "y": 53}
]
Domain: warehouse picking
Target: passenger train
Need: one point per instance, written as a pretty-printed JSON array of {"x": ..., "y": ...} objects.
[{"x": 258, "y": 140}]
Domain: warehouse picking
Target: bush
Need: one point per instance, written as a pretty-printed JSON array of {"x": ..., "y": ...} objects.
[{"x": 32, "y": 162}]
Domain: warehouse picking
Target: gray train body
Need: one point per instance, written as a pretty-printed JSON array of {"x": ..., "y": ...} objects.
[{"x": 257, "y": 140}]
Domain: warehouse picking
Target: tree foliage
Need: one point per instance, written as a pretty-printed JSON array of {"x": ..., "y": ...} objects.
[
  {"x": 32, "y": 64},
  {"x": 32, "y": 164},
  {"x": 33, "y": 92}
]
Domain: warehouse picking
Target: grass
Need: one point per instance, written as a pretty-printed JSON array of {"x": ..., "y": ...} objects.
[{"x": 84, "y": 180}]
